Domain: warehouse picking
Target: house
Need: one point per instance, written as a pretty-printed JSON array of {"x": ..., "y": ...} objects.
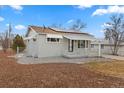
[
  {"x": 106, "y": 47},
  {"x": 52, "y": 42}
]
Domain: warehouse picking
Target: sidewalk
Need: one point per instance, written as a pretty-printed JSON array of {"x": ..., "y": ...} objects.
[{"x": 113, "y": 57}]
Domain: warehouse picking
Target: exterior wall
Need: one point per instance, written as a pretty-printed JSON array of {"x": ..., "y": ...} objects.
[
  {"x": 42, "y": 48},
  {"x": 121, "y": 51},
  {"x": 31, "y": 33},
  {"x": 105, "y": 50},
  {"x": 49, "y": 49},
  {"x": 94, "y": 50},
  {"x": 31, "y": 46}
]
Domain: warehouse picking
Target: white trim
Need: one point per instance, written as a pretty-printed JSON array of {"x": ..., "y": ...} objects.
[
  {"x": 79, "y": 37},
  {"x": 34, "y": 30},
  {"x": 54, "y": 36},
  {"x": 28, "y": 38}
]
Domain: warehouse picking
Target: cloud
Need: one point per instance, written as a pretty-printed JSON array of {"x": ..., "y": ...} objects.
[
  {"x": 105, "y": 25},
  {"x": 70, "y": 21},
  {"x": 20, "y": 27},
  {"x": 102, "y": 31},
  {"x": 83, "y": 6},
  {"x": 99, "y": 12},
  {"x": 1, "y": 19},
  {"x": 109, "y": 10},
  {"x": 16, "y": 7},
  {"x": 91, "y": 33}
]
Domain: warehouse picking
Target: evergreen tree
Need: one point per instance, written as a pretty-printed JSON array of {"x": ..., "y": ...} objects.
[{"x": 18, "y": 42}]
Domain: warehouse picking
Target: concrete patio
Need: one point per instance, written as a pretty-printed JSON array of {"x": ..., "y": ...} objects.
[
  {"x": 113, "y": 57},
  {"x": 30, "y": 60}
]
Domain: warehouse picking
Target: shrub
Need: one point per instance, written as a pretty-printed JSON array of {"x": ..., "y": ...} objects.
[{"x": 18, "y": 42}]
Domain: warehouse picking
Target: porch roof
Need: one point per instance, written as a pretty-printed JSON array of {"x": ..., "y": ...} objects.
[{"x": 79, "y": 37}]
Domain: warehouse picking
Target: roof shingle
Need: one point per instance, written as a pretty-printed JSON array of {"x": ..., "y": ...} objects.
[{"x": 39, "y": 29}]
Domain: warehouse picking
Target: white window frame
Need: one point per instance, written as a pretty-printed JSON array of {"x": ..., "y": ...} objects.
[{"x": 53, "y": 41}]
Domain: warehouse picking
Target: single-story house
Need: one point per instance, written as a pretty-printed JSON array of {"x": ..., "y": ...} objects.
[{"x": 51, "y": 42}]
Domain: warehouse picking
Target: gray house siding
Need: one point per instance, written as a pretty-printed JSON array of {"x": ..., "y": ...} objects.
[{"x": 49, "y": 49}]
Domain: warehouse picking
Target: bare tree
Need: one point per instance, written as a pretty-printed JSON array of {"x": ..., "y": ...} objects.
[
  {"x": 4, "y": 41},
  {"x": 60, "y": 26},
  {"x": 9, "y": 35},
  {"x": 114, "y": 32},
  {"x": 78, "y": 25}
]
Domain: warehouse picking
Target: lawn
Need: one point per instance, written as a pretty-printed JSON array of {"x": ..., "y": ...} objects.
[
  {"x": 13, "y": 74},
  {"x": 114, "y": 68}
]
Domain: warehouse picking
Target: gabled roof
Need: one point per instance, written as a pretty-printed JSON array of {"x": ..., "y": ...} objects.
[{"x": 39, "y": 29}]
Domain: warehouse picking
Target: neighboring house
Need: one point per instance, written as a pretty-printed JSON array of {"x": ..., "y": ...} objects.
[
  {"x": 51, "y": 42},
  {"x": 106, "y": 47}
]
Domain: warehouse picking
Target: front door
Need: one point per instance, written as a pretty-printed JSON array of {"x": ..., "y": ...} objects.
[{"x": 70, "y": 45}]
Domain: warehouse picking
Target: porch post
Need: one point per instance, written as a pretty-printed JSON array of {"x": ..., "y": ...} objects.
[{"x": 70, "y": 44}]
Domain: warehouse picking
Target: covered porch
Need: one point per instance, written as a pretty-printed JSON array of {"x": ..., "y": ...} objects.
[{"x": 77, "y": 46}]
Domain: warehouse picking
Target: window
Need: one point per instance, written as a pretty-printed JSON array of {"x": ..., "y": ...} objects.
[
  {"x": 52, "y": 39},
  {"x": 92, "y": 45},
  {"x": 48, "y": 39},
  {"x": 81, "y": 43},
  {"x": 102, "y": 46},
  {"x": 34, "y": 39}
]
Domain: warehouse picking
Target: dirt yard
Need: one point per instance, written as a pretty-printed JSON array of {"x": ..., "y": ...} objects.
[{"x": 13, "y": 74}]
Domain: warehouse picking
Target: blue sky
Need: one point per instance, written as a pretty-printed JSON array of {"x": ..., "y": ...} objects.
[{"x": 22, "y": 16}]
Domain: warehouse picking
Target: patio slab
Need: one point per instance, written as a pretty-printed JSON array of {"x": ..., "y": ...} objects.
[
  {"x": 113, "y": 57},
  {"x": 31, "y": 60}
]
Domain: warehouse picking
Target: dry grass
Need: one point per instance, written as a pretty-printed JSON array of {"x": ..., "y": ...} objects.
[
  {"x": 7, "y": 53},
  {"x": 13, "y": 74},
  {"x": 114, "y": 68}
]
